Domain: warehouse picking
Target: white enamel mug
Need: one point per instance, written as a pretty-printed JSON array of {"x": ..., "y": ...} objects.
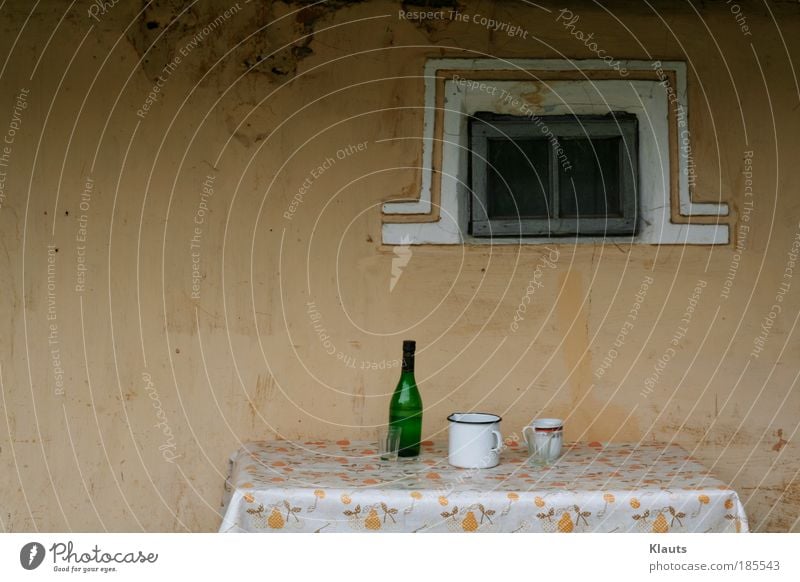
[
  {"x": 544, "y": 437},
  {"x": 475, "y": 440}
]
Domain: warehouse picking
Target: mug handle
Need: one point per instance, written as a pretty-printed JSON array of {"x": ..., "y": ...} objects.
[
  {"x": 524, "y": 434},
  {"x": 499, "y": 439}
]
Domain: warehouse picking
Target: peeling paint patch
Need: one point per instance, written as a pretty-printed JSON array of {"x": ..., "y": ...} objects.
[
  {"x": 275, "y": 37},
  {"x": 277, "y": 51}
]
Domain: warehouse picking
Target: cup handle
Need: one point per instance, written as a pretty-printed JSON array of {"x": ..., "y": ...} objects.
[
  {"x": 499, "y": 439},
  {"x": 524, "y": 433}
]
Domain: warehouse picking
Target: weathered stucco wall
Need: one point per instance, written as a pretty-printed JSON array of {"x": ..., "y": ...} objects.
[{"x": 124, "y": 388}]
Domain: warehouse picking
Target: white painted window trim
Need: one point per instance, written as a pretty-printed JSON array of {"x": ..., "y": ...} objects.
[{"x": 646, "y": 98}]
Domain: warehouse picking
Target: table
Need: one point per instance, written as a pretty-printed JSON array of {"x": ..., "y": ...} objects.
[{"x": 342, "y": 486}]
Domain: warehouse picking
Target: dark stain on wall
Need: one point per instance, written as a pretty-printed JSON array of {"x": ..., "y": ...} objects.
[{"x": 781, "y": 441}]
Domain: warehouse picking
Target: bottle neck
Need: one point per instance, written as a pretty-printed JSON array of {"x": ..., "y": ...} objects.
[{"x": 408, "y": 362}]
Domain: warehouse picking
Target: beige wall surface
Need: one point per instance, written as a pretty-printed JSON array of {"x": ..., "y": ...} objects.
[{"x": 159, "y": 308}]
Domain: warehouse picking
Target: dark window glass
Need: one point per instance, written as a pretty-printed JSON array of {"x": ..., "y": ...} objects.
[
  {"x": 589, "y": 187},
  {"x": 518, "y": 178},
  {"x": 576, "y": 179}
]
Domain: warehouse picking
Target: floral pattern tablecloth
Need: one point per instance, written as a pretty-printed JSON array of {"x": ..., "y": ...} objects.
[{"x": 342, "y": 486}]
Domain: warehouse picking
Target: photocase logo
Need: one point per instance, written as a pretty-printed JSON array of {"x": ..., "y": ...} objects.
[
  {"x": 402, "y": 254},
  {"x": 31, "y": 555}
]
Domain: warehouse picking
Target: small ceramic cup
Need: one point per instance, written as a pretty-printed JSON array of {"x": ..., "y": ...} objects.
[{"x": 544, "y": 437}]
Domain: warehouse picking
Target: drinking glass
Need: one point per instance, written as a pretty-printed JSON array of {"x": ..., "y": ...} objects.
[{"x": 389, "y": 442}]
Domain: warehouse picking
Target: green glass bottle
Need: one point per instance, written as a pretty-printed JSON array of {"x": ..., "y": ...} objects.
[{"x": 405, "y": 410}]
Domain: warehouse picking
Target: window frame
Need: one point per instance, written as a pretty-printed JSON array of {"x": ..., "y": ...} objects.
[{"x": 484, "y": 126}]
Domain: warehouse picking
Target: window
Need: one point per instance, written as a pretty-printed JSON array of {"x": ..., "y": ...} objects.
[
  {"x": 553, "y": 175},
  {"x": 667, "y": 211}
]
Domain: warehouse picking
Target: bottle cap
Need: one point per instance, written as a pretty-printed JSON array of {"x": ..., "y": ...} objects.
[{"x": 409, "y": 346}]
